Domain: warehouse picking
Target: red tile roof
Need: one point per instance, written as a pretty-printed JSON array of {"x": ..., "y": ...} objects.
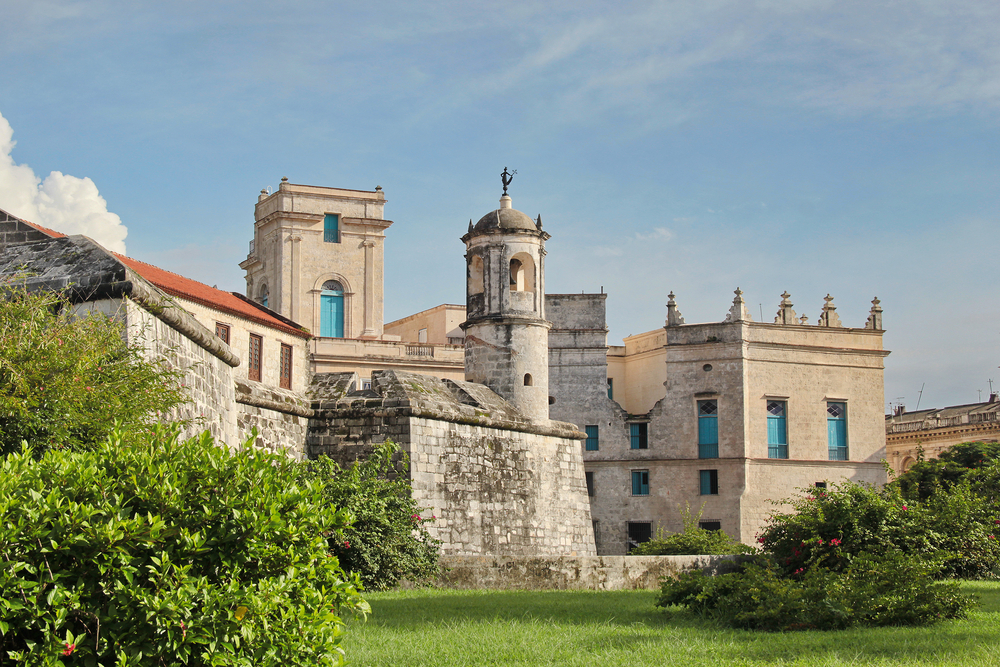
[
  {"x": 45, "y": 230},
  {"x": 230, "y": 302}
]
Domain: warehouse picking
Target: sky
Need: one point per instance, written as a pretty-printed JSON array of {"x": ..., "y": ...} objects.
[{"x": 843, "y": 147}]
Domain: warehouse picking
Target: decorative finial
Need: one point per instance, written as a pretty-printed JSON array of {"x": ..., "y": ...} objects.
[
  {"x": 829, "y": 317},
  {"x": 263, "y": 191},
  {"x": 284, "y": 179},
  {"x": 538, "y": 223},
  {"x": 674, "y": 317},
  {"x": 803, "y": 320},
  {"x": 875, "y": 316},
  {"x": 785, "y": 313},
  {"x": 378, "y": 188},
  {"x": 506, "y": 178},
  {"x": 470, "y": 224},
  {"x": 739, "y": 312}
]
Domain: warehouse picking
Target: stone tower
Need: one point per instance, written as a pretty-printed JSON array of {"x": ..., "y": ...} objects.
[
  {"x": 316, "y": 258},
  {"x": 506, "y": 334}
]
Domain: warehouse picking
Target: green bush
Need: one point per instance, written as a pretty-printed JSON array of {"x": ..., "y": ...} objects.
[
  {"x": 828, "y": 528},
  {"x": 387, "y": 539},
  {"x": 891, "y": 588},
  {"x": 691, "y": 541},
  {"x": 66, "y": 380},
  {"x": 928, "y": 477},
  {"x": 167, "y": 552}
]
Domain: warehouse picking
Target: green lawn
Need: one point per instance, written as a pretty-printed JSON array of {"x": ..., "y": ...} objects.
[{"x": 438, "y": 627}]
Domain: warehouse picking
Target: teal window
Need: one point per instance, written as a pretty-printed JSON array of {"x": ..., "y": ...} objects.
[
  {"x": 836, "y": 429},
  {"x": 640, "y": 482},
  {"x": 611, "y": 388},
  {"x": 639, "y": 435},
  {"x": 331, "y": 228},
  {"x": 331, "y": 310},
  {"x": 777, "y": 430},
  {"x": 708, "y": 429},
  {"x": 709, "y": 482},
  {"x": 592, "y": 442}
]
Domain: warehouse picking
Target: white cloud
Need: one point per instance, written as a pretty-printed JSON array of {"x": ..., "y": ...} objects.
[{"x": 61, "y": 202}]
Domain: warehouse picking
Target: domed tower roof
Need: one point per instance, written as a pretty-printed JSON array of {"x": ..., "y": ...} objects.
[{"x": 505, "y": 218}]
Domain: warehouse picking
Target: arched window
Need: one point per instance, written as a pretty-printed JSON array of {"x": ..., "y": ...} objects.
[
  {"x": 476, "y": 275},
  {"x": 527, "y": 380},
  {"x": 262, "y": 295},
  {"x": 522, "y": 273},
  {"x": 331, "y": 314}
]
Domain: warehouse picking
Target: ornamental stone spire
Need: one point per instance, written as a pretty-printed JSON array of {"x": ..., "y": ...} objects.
[
  {"x": 829, "y": 317},
  {"x": 785, "y": 313},
  {"x": 875, "y": 316},
  {"x": 674, "y": 317},
  {"x": 739, "y": 312}
]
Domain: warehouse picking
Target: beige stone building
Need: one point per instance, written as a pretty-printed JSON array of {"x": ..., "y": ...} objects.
[{"x": 937, "y": 429}]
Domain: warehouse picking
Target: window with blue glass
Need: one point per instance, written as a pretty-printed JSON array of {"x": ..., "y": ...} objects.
[
  {"x": 836, "y": 429},
  {"x": 709, "y": 482},
  {"x": 592, "y": 443},
  {"x": 777, "y": 430},
  {"x": 708, "y": 429},
  {"x": 331, "y": 228},
  {"x": 611, "y": 388},
  {"x": 640, "y": 482},
  {"x": 639, "y": 435}
]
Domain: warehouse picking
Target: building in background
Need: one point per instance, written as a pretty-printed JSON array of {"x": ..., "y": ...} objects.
[{"x": 937, "y": 429}]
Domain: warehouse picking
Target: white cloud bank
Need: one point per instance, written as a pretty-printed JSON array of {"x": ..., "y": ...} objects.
[{"x": 64, "y": 203}]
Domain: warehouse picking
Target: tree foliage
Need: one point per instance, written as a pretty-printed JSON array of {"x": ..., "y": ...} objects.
[
  {"x": 160, "y": 551},
  {"x": 65, "y": 380},
  {"x": 693, "y": 540},
  {"x": 975, "y": 462},
  {"x": 387, "y": 540}
]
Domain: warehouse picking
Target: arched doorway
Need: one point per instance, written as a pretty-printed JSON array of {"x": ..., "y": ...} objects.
[{"x": 331, "y": 305}]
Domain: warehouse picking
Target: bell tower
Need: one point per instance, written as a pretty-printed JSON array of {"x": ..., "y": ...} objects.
[{"x": 506, "y": 334}]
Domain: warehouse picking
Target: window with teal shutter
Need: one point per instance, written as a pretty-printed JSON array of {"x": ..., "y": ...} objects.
[
  {"x": 592, "y": 442},
  {"x": 638, "y": 436},
  {"x": 640, "y": 482},
  {"x": 708, "y": 429},
  {"x": 331, "y": 310},
  {"x": 611, "y": 388},
  {"x": 331, "y": 228},
  {"x": 709, "y": 482},
  {"x": 836, "y": 429},
  {"x": 777, "y": 430}
]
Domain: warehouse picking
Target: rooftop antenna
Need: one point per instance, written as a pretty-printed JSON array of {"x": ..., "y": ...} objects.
[
  {"x": 761, "y": 306},
  {"x": 920, "y": 394},
  {"x": 980, "y": 395},
  {"x": 991, "y": 385}
]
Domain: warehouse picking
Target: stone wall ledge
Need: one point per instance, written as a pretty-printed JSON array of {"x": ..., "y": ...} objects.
[
  {"x": 270, "y": 398},
  {"x": 606, "y": 573}
]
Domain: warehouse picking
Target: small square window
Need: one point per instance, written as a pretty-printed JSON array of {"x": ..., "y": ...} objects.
[
  {"x": 710, "y": 525},
  {"x": 639, "y": 435},
  {"x": 222, "y": 331},
  {"x": 820, "y": 485},
  {"x": 639, "y": 532},
  {"x": 709, "y": 482},
  {"x": 640, "y": 482},
  {"x": 592, "y": 443}
]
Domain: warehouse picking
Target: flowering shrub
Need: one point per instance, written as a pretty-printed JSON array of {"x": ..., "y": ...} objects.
[
  {"x": 889, "y": 588},
  {"x": 828, "y": 528},
  {"x": 159, "y": 551},
  {"x": 387, "y": 539},
  {"x": 66, "y": 380}
]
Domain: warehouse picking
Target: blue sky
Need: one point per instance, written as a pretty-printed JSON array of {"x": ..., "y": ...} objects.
[{"x": 815, "y": 146}]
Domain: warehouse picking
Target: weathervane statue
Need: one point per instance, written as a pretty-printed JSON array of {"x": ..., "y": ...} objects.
[{"x": 506, "y": 178}]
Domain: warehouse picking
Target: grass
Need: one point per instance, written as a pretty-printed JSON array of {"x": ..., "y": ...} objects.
[{"x": 597, "y": 628}]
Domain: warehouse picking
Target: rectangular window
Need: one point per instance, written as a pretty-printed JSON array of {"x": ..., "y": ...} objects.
[
  {"x": 836, "y": 429},
  {"x": 639, "y": 435},
  {"x": 820, "y": 485},
  {"x": 709, "y": 482},
  {"x": 777, "y": 430},
  {"x": 422, "y": 335},
  {"x": 592, "y": 444},
  {"x": 253, "y": 367},
  {"x": 640, "y": 482},
  {"x": 222, "y": 331},
  {"x": 590, "y": 484},
  {"x": 708, "y": 429},
  {"x": 710, "y": 525},
  {"x": 331, "y": 228},
  {"x": 639, "y": 532},
  {"x": 285, "y": 377},
  {"x": 611, "y": 388}
]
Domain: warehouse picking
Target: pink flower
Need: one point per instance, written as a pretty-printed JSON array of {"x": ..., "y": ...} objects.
[
  {"x": 821, "y": 541},
  {"x": 90, "y": 389},
  {"x": 69, "y": 649},
  {"x": 347, "y": 545},
  {"x": 905, "y": 508},
  {"x": 760, "y": 540},
  {"x": 996, "y": 521},
  {"x": 800, "y": 570},
  {"x": 835, "y": 542},
  {"x": 184, "y": 632}
]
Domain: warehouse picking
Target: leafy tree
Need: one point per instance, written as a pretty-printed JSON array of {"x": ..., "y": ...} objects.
[
  {"x": 387, "y": 540},
  {"x": 65, "y": 380},
  {"x": 159, "y": 551},
  {"x": 693, "y": 540},
  {"x": 927, "y": 477}
]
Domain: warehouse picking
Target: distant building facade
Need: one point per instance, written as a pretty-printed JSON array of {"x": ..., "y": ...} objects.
[{"x": 930, "y": 432}]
